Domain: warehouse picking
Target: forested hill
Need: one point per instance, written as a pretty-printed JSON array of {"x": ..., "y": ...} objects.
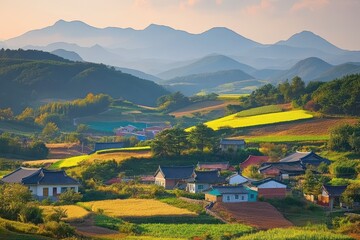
[{"x": 33, "y": 75}]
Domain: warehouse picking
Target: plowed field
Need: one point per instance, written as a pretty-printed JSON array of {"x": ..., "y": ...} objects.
[{"x": 261, "y": 215}]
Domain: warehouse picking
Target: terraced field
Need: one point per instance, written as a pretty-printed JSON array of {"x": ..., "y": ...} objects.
[
  {"x": 233, "y": 121},
  {"x": 74, "y": 213},
  {"x": 137, "y": 208}
]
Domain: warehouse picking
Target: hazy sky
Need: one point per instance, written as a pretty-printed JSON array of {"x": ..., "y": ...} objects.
[{"x": 265, "y": 21}]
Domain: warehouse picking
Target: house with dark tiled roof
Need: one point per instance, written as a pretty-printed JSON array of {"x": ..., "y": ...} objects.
[
  {"x": 331, "y": 195},
  {"x": 227, "y": 144},
  {"x": 305, "y": 158},
  {"x": 213, "y": 166},
  {"x": 231, "y": 194},
  {"x": 203, "y": 180},
  {"x": 270, "y": 188},
  {"x": 281, "y": 170},
  {"x": 253, "y": 160},
  {"x": 174, "y": 176},
  {"x": 42, "y": 182}
]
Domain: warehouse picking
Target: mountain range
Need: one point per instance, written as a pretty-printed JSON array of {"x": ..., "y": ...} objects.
[
  {"x": 218, "y": 59},
  {"x": 157, "y": 48}
]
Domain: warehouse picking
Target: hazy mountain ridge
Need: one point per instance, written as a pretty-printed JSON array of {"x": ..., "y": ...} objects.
[
  {"x": 69, "y": 55},
  {"x": 28, "y": 80}
]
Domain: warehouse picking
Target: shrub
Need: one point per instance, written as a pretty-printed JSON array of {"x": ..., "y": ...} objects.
[
  {"x": 59, "y": 229},
  {"x": 31, "y": 213},
  {"x": 129, "y": 228},
  {"x": 70, "y": 197}
]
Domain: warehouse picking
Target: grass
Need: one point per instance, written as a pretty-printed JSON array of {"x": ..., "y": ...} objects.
[
  {"x": 130, "y": 149},
  {"x": 287, "y": 138},
  {"x": 70, "y": 162},
  {"x": 260, "y": 110},
  {"x": 3, "y": 173},
  {"x": 9, "y": 235},
  {"x": 231, "y": 96},
  {"x": 194, "y": 230},
  {"x": 176, "y": 202},
  {"x": 295, "y": 234},
  {"x": 137, "y": 208},
  {"x": 74, "y": 213},
  {"x": 233, "y": 121}
]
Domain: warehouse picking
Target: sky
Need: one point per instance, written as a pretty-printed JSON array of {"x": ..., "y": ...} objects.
[{"x": 264, "y": 21}]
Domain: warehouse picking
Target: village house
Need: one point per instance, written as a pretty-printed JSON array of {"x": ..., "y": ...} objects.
[
  {"x": 227, "y": 145},
  {"x": 305, "y": 158},
  {"x": 221, "y": 166},
  {"x": 174, "y": 177},
  {"x": 253, "y": 160},
  {"x": 203, "y": 181},
  {"x": 236, "y": 179},
  {"x": 43, "y": 183},
  {"x": 270, "y": 188},
  {"x": 281, "y": 170},
  {"x": 231, "y": 194},
  {"x": 331, "y": 195}
]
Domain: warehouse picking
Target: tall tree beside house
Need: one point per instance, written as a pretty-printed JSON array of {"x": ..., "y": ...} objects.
[
  {"x": 274, "y": 151},
  {"x": 313, "y": 182},
  {"x": 170, "y": 142},
  {"x": 351, "y": 194},
  {"x": 50, "y": 131},
  {"x": 202, "y": 136}
]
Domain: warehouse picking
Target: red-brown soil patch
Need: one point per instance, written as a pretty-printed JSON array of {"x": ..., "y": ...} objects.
[
  {"x": 88, "y": 228},
  {"x": 261, "y": 215},
  {"x": 320, "y": 126},
  {"x": 65, "y": 150}
]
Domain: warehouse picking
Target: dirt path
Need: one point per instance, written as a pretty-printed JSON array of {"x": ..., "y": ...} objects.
[
  {"x": 88, "y": 228},
  {"x": 261, "y": 215}
]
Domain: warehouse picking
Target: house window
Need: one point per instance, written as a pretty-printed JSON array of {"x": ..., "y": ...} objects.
[
  {"x": 252, "y": 196},
  {"x": 236, "y": 196},
  {"x": 228, "y": 198},
  {"x": 200, "y": 187},
  {"x": 63, "y": 189},
  {"x": 242, "y": 198},
  {"x": 73, "y": 188}
]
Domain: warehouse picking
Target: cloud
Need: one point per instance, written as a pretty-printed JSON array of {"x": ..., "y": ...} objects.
[
  {"x": 264, "y": 5},
  {"x": 310, "y": 5}
]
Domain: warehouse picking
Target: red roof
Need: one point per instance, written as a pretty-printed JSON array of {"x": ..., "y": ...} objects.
[
  {"x": 149, "y": 178},
  {"x": 113, "y": 181},
  {"x": 254, "y": 160}
]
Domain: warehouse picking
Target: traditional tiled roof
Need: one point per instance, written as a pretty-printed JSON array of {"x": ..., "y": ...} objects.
[
  {"x": 210, "y": 177},
  {"x": 108, "y": 145},
  {"x": 334, "y": 191},
  {"x": 176, "y": 172},
  {"x": 305, "y": 158},
  {"x": 253, "y": 160},
  {"x": 283, "y": 167},
  {"x": 227, "y": 141},
  {"x": 49, "y": 177},
  {"x": 265, "y": 180},
  {"x": 220, "y": 190},
  {"x": 19, "y": 174},
  {"x": 214, "y": 165}
]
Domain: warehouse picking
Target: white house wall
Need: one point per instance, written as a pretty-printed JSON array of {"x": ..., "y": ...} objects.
[
  {"x": 233, "y": 198},
  {"x": 38, "y": 190},
  {"x": 272, "y": 184}
]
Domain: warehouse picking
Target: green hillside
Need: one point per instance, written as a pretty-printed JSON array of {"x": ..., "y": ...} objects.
[{"x": 38, "y": 75}]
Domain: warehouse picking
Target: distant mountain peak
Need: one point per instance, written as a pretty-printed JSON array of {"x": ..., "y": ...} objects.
[{"x": 154, "y": 26}]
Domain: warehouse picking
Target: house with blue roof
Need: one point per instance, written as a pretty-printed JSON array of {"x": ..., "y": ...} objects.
[{"x": 231, "y": 194}]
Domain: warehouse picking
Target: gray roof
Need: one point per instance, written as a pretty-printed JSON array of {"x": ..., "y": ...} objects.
[
  {"x": 176, "y": 172},
  {"x": 210, "y": 177},
  {"x": 295, "y": 157},
  {"x": 232, "y": 141},
  {"x": 284, "y": 167},
  {"x": 39, "y": 176},
  {"x": 231, "y": 189},
  {"x": 19, "y": 174},
  {"x": 265, "y": 180},
  {"x": 334, "y": 191},
  {"x": 44, "y": 177}
]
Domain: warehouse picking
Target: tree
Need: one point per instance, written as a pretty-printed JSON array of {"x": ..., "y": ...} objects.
[
  {"x": 202, "y": 136},
  {"x": 50, "y": 131},
  {"x": 351, "y": 194},
  {"x": 169, "y": 142},
  {"x": 28, "y": 115},
  {"x": 311, "y": 184},
  {"x": 69, "y": 197},
  {"x": 6, "y": 114},
  {"x": 252, "y": 171},
  {"x": 345, "y": 138},
  {"x": 274, "y": 151}
]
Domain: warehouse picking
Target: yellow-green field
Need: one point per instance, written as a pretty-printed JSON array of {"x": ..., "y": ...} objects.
[
  {"x": 233, "y": 121},
  {"x": 231, "y": 96},
  {"x": 73, "y": 212},
  {"x": 287, "y": 138},
  {"x": 136, "y": 208},
  {"x": 117, "y": 156}
]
